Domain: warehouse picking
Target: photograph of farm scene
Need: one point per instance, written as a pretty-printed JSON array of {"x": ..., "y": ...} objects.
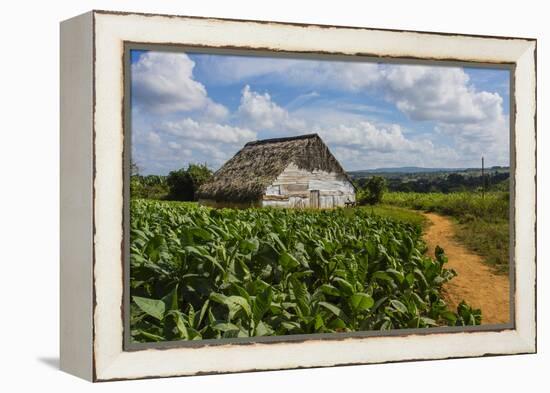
[{"x": 276, "y": 196}]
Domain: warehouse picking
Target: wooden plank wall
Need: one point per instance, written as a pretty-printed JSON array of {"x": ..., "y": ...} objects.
[{"x": 292, "y": 189}]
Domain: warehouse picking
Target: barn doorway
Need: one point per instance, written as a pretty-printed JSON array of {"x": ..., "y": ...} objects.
[{"x": 314, "y": 197}]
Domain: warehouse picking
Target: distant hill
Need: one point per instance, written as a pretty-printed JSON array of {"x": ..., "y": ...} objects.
[
  {"x": 420, "y": 179},
  {"x": 416, "y": 169}
]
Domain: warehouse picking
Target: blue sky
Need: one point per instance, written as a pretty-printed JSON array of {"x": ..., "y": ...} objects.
[{"x": 202, "y": 108}]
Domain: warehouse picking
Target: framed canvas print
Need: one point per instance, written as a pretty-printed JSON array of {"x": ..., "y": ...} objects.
[{"x": 246, "y": 195}]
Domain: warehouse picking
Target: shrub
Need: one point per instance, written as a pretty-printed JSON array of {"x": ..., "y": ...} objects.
[
  {"x": 181, "y": 185},
  {"x": 184, "y": 183},
  {"x": 372, "y": 192}
]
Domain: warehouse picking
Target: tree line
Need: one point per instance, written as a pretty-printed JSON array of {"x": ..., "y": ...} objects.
[
  {"x": 445, "y": 183},
  {"x": 178, "y": 185}
]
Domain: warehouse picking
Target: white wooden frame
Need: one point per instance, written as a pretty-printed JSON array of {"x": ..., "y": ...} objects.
[{"x": 92, "y": 148}]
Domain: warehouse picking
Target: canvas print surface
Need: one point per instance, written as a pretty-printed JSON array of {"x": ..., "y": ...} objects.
[{"x": 277, "y": 196}]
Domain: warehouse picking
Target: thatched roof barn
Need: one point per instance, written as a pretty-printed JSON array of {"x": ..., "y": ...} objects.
[{"x": 291, "y": 172}]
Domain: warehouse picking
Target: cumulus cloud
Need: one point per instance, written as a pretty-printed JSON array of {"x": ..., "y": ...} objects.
[
  {"x": 441, "y": 94},
  {"x": 487, "y": 138},
  {"x": 189, "y": 129},
  {"x": 154, "y": 153},
  {"x": 473, "y": 119},
  {"x": 354, "y": 139},
  {"x": 174, "y": 145},
  {"x": 370, "y": 137},
  {"x": 163, "y": 83},
  {"x": 153, "y": 138},
  {"x": 260, "y": 112},
  {"x": 175, "y": 122},
  {"x": 177, "y": 144}
]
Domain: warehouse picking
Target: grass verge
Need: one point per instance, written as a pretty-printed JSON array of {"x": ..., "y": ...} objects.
[
  {"x": 398, "y": 213},
  {"x": 488, "y": 239},
  {"x": 482, "y": 221}
]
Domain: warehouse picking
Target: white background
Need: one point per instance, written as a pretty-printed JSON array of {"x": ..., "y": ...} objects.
[{"x": 29, "y": 204}]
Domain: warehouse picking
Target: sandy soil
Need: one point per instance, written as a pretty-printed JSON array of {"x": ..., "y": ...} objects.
[{"x": 476, "y": 282}]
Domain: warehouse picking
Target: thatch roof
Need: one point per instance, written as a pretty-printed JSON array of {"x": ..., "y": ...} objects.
[{"x": 246, "y": 176}]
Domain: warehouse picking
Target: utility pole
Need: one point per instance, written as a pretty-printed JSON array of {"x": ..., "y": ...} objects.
[{"x": 483, "y": 176}]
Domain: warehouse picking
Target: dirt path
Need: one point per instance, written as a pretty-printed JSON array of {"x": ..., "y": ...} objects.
[{"x": 475, "y": 282}]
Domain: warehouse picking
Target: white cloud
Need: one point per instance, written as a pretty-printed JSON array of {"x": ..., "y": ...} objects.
[
  {"x": 359, "y": 142},
  {"x": 441, "y": 94},
  {"x": 350, "y": 76},
  {"x": 487, "y": 138},
  {"x": 153, "y": 138},
  {"x": 189, "y": 129},
  {"x": 175, "y": 145},
  {"x": 259, "y": 111},
  {"x": 370, "y": 137},
  {"x": 163, "y": 83}
]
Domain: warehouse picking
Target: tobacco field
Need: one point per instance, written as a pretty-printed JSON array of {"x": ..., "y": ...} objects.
[{"x": 200, "y": 273}]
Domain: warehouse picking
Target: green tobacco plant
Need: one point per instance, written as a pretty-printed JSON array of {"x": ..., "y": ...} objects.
[{"x": 200, "y": 273}]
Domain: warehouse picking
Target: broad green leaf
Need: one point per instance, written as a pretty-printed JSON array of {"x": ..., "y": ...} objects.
[
  {"x": 380, "y": 275},
  {"x": 171, "y": 300},
  {"x": 234, "y": 303},
  {"x": 399, "y": 306},
  {"x": 337, "y": 324},
  {"x": 152, "y": 307},
  {"x": 302, "y": 296},
  {"x": 428, "y": 321},
  {"x": 290, "y": 325},
  {"x": 214, "y": 262},
  {"x": 261, "y": 304},
  {"x": 329, "y": 290},
  {"x": 250, "y": 245},
  {"x": 319, "y": 323},
  {"x": 218, "y": 298},
  {"x": 288, "y": 261},
  {"x": 450, "y": 317},
  {"x": 387, "y": 325},
  {"x": 179, "y": 320},
  {"x": 150, "y": 336},
  {"x": 263, "y": 329},
  {"x": 345, "y": 286},
  {"x": 397, "y": 274},
  {"x": 226, "y": 327},
  {"x": 241, "y": 302},
  {"x": 335, "y": 310},
  {"x": 201, "y": 233},
  {"x": 204, "y": 309},
  {"x": 277, "y": 241},
  {"x": 419, "y": 273},
  {"x": 361, "y": 301}
]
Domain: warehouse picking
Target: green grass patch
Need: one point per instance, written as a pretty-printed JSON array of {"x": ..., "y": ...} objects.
[
  {"x": 489, "y": 239},
  {"x": 399, "y": 214},
  {"x": 490, "y": 207}
]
